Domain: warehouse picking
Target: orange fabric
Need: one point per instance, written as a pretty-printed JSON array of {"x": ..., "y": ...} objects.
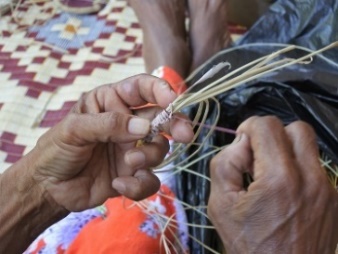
[
  {"x": 172, "y": 77},
  {"x": 127, "y": 229}
]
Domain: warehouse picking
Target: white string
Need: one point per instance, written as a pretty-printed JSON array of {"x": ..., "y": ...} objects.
[{"x": 159, "y": 120}]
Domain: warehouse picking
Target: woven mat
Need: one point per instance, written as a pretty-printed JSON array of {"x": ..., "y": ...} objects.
[{"x": 48, "y": 58}]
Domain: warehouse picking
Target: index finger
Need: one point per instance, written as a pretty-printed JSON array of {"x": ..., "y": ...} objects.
[
  {"x": 271, "y": 147},
  {"x": 131, "y": 92},
  {"x": 141, "y": 89}
]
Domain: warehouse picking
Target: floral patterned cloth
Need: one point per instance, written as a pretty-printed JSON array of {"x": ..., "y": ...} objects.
[
  {"x": 153, "y": 225},
  {"x": 59, "y": 237}
]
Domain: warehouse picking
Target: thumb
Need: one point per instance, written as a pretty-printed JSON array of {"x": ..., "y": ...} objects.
[
  {"x": 227, "y": 168},
  {"x": 140, "y": 186},
  {"x": 82, "y": 129}
]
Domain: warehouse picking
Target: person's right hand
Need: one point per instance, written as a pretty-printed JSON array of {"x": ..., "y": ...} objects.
[
  {"x": 91, "y": 154},
  {"x": 289, "y": 208}
]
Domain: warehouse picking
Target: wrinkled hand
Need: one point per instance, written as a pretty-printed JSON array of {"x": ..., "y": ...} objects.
[
  {"x": 91, "y": 155},
  {"x": 289, "y": 208}
]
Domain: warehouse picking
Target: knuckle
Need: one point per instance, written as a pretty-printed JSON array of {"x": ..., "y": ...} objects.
[
  {"x": 272, "y": 121},
  {"x": 226, "y": 153},
  {"x": 305, "y": 139},
  {"x": 216, "y": 161},
  {"x": 144, "y": 76},
  {"x": 319, "y": 190},
  {"x": 227, "y": 169},
  {"x": 263, "y": 123},
  {"x": 269, "y": 119},
  {"x": 251, "y": 120},
  {"x": 112, "y": 123},
  {"x": 266, "y": 122},
  {"x": 284, "y": 182},
  {"x": 113, "y": 120},
  {"x": 43, "y": 141},
  {"x": 79, "y": 107},
  {"x": 223, "y": 175},
  {"x": 69, "y": 126},
  {"x": 211, "y": 212},
  {"x": 302, "y": 128},
  {"x": 220, "y": 167},
  {"x": 212, "y": 208}
]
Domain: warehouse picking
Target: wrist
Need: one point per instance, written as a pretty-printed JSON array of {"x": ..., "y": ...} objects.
[
  {"x": 29, "y": 182},
  {"x": 27, "y": 209},
  {"x": 31, "y": 162}
]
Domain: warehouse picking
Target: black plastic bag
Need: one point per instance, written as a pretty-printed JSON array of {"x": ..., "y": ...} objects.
[
  {"x": 307, "y": 92},
  {"x": 301, "y": 92},
  {"x": 309, "y": 23}
]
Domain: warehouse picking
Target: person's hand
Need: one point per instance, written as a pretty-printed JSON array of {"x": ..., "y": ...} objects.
[
  {"x": 92, "y": 155},
  {"x": 289, "y": 208}
]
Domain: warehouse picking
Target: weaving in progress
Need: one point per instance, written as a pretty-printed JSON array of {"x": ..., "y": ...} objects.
[{"x": 65, "y": 65}]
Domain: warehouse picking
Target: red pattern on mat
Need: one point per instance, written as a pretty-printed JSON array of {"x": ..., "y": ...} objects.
[
  {"x": 37, "y": 80},
  {"x": 14, "y": 151},
  {"x": 52, "y": 117},
  {"x": 28, "y": 78}
]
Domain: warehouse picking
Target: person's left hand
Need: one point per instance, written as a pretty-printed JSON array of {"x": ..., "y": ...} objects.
[
  {"x": 290, "y": 207},
  {"x": 91, "y": 155}
]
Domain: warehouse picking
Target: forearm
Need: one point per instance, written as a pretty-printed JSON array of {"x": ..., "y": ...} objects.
[{"x": 25, "y": 208}]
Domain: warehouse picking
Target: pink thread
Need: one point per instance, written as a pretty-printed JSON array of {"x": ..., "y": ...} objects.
[{"x": 207, "y": 126}]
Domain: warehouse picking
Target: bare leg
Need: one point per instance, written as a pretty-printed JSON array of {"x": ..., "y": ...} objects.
[
  {"x": 208, "y": 29},
  {"x": 164, "y": 41}
]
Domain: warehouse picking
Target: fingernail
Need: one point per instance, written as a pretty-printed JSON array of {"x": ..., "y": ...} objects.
[
  {"x": 136, "y": 158},
  {"x": 138, "y": 126},
  {"x": 119, "y": 187}
]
